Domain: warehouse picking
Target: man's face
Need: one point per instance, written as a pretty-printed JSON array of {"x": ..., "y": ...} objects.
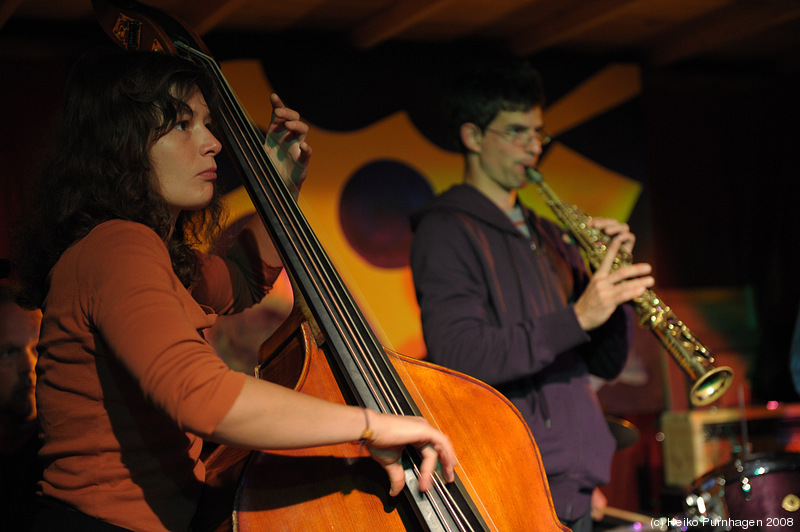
[
  {"x": 511, "y": 143},
  {"x": 19, "y": 333}
]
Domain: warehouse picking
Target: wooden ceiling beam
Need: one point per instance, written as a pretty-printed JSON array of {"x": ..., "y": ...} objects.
[
  {"x": 7, "y": 8},
  {"x": 735, "y": 22},
  {"x": 203, "y": 16},
  {"x": 393, "y": 21},
  {"x": 569, "y": 20}
]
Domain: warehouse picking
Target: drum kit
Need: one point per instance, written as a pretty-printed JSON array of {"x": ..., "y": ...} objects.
[{"x": 752, "y": 492}]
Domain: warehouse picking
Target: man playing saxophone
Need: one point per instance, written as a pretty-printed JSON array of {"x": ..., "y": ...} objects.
[{"x": 506, "y": 297}]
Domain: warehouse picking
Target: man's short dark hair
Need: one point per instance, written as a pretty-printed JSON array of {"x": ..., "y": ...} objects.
[{"x": 488, "y": 88}]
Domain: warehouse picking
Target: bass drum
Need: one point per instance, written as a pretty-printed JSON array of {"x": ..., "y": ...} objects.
[{"x": 758, "y": 492}]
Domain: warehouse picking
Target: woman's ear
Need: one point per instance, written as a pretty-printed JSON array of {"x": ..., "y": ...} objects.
[{"x": 471, "y": 136}]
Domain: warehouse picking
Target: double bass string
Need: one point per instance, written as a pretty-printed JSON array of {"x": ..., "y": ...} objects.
[
  {"x": 439, "y": 483},
  {"x": 305, "y": 248},
  {"x": 358, "y": 337}
]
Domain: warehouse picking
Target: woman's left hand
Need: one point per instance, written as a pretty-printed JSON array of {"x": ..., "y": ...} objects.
[{"x": 286, "y": 144}]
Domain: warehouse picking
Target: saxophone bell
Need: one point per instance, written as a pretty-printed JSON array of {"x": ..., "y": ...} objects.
[{"x": 711, "y": 385}]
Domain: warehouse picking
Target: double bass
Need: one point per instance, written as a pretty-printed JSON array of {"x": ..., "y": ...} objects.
[{"x": 326, "y": 348}]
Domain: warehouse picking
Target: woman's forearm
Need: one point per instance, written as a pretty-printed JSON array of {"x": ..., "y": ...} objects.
[{"x": 270, "y": 416}]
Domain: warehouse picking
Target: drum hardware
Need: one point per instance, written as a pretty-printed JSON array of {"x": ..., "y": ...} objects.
[
  {"x": 625, "y": 433},
  {"x": 698, "y": 441},
  {"x": 743, "y": 421},
  {"x": 762, "y": 488},
  {"x": 791, "y": 503}
]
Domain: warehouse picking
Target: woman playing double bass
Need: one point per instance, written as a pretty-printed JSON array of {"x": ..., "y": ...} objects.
[{"x": 127, "y": 387}]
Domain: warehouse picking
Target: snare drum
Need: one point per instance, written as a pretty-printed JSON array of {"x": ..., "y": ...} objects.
[{"x": 758, "y": 492}]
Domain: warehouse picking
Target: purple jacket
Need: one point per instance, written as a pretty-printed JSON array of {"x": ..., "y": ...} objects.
[{"x": 497, "y": 305}]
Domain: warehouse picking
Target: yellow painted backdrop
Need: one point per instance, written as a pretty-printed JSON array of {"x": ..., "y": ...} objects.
[{"x": 386, "y": 296}]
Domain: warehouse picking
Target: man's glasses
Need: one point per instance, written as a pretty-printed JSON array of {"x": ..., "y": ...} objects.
[{"x": 522, "y": 137}]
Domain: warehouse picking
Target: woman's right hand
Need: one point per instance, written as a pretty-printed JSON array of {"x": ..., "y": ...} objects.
[{"x": 389, "y": 436}]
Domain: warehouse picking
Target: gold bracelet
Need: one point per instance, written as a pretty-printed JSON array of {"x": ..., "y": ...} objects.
[{"x": 367, "y": 434}]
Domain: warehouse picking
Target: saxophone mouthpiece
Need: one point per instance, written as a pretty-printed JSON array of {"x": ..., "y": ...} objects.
[{"x": 534, "y": 175}]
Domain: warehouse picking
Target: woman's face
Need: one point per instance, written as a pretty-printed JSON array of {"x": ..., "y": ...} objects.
[{"x": 183, "y": 159}]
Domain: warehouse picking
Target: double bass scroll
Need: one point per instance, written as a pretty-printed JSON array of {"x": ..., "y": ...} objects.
[{"x": 327, "y": 349}]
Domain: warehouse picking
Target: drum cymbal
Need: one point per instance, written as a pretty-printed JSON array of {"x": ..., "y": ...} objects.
[{"x": 625, "y": 433}]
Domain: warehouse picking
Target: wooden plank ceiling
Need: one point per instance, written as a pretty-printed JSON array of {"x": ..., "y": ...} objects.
[{"x": 655, "y": 33}]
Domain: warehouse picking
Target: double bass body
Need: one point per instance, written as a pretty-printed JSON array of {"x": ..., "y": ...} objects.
[{"x": 340, "y": 488}]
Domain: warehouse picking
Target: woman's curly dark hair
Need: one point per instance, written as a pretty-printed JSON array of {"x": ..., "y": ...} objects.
[{"x": 115, "y": 107}]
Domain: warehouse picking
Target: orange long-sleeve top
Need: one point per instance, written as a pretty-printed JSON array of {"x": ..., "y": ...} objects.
[{"x": 126, "y": 382}]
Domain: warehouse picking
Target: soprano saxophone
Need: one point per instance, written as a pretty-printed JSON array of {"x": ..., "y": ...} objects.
[{"x": 692, "y": 356}]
